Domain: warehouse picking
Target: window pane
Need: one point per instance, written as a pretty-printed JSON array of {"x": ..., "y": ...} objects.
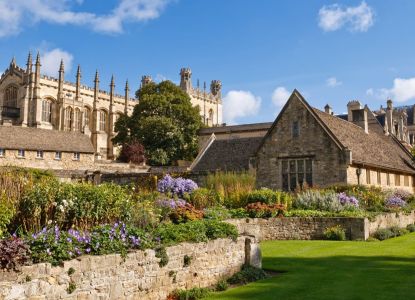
[
  {"x": 293, "y": 181},
  {"x": 308, "y": 166},
  {"x": 285, "y": 182},
  {"x": 284, "y": 166},
  {"x": 292, "y": 166},
  {"x": 300, "y": 166},
  {"x": 309, "y": 179},
  {"x": 300, "y": 179}
]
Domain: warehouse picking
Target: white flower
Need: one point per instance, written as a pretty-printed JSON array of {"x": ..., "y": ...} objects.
[
  {"x": 65, "y": 203},
  {"x": 61, "y": 208},
  {"x": 49, "y": 222}
]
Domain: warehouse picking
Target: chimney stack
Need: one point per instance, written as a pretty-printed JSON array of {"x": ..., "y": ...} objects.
[
  {"x": 328, "y": 109},
  {"x": 358, "y": 115}
]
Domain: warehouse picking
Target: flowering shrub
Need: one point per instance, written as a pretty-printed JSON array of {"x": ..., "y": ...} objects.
[
  {"x": 176, "y": 186},
  {"x": 203, "y": 198},
  {"x": 335, "y": 233},
  {"x": 348, "y": 201},
  {"x": 262, "y": 210},
  {"x": 216, "y": 213},
  {"x": 185, "y": 213},
  {"x": 14, "y": 252},
  {"x": 395, "y": 202},
  {"x": 54, "y": 246},
  {"x": 268, "y": 196},
  {"x": 402, "y": 194}
]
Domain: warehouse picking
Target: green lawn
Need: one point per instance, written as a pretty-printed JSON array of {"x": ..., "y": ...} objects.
[{"x": 334, "y": 270}]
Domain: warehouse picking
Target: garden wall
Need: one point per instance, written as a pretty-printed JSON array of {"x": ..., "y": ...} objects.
[
  {"x": 138, "y": 277},
  {"x": 312, "y": 228}
]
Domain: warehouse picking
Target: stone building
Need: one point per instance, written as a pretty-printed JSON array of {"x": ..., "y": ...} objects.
[
  {"x": 308, "y": 146},
  {"x": 45, "y": 149},
  {"x": 30, "y": 99}
]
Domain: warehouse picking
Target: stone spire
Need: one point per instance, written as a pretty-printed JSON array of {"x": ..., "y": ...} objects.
[
  {"x": 78, "y": 83},
  {"x": 37, "y": 65},
  {"x": 94, "y": 136},
  {"x": 61, "y": 67},
  {"x": 186, "y": 79},
  {"x": 13, "y": 62},
  {"x": 59, "y": 107},
  {"x": 29, "y": 63},
  {"x": 110, "y": 153},
  {"x": 127, "y": 96}
]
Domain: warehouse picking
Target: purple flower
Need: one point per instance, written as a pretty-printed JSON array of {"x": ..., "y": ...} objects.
[
  {"x": 348, "y": 200},
  {"x": 395, "y": 202},
  {"x": 88, "y": 250},
  {"x": 177, "y": 186}
]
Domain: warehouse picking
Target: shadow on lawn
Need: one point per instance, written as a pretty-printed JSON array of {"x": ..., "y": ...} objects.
[{"x": 335, "y": 277}]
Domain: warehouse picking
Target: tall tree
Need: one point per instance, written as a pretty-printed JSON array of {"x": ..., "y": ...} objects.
[{"x": 164, "y": 122}]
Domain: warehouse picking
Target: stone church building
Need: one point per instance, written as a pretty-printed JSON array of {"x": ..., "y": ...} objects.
[
  {"x": 30, "y": 99},
  {"x": 305, "y": 145}
]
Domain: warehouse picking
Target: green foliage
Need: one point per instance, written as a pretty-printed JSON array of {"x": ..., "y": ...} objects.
[
  {"x": 263, "y": 210},
  {"x": 187, "y": 260},
  {"x": 71, "y": 271},
  {"x": 7, "y": 212},
  {"x": 269, "y": 196},
  {"x": 411, "y": 227},
  {"x": 203, "y": 198},
  {"x": 335, "y": 233},
  {"x": 246, "y": 275},
  {"x": 145, "y": 214},
  {"x": 218, "y": 213},
  {"x": 185, "y": 213},
  {"x": 325, "y": 200},
  {"x": 71, "y": 287},
  {"x": 195, "y": 231},
  {"x": 164, "y": 122},
  {"x": 238, "y": 213},
  {"x": 73, "y": 204},
  {"x": 162, "y": 254},
  {"x": 222, "y": 285},
  {"x": 232, "y": 187},
  {"x": 391, "y": 232},
  {"x": 304, "y": 213},
  {"x": 192, "y": 294}
]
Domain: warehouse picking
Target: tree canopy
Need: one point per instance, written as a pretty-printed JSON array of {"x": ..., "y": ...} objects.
[{"x": 164, "y": 122}]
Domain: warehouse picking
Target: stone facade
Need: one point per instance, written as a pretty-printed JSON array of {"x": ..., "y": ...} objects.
[
  {"x": 30, "y": 99},
  {"x": 31, "y": 159},
  {"x": 137, "y": 277},
  {"x": 329, "y": 163},
  {"x": 308, "y": 146}
]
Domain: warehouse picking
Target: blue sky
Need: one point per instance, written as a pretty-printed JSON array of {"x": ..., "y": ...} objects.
[{"x": 331, "y": 51}]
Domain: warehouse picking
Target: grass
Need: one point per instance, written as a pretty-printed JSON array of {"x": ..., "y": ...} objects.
[{"x": 334, "y": 270}]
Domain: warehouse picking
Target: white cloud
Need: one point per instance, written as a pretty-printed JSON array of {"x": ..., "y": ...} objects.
[
  {"x": 333, "y": 82},
  {"x": 402, "y": 90},
  {"x": 355, "y": 18},
  {"x": 238, "y": 104},
  {"x": 280, "y": 96},
  {"x": 13, "y": 14},
  {"x": 51, "y": 60},
  {"x": 370, "y": 92}
]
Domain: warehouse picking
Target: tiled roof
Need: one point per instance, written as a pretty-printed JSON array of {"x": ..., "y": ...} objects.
[
  {"x": 228, "y": 155},
  {"x": 27, "y": 138},
  {"x": 373, "y": 148}
]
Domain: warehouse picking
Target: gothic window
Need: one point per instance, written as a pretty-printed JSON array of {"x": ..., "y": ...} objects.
[
  {"x": 46, "y": 110},
  {"x": 68, "y": 118},
  {"x": 296, "y": 173},
  {"x": 102, "y": 120},
  {"x": 10, "y": 97},
  {"x": 87, "y": 117},
  {"x": 77, "y": 120}
]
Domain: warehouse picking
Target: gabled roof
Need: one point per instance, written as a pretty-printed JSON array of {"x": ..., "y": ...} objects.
[
  {"x": 371, "y": 149},
  {"x": 236, "y": 128},
  {"x": 227, "y": 155},
  {"x": 27, "y": 138}
]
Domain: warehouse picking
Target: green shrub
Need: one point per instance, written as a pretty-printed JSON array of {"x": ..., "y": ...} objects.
[
  {"x": 7, "y": 212},
  {"x": 397, "y": 231},
  {"x": 411, "y": 227},
  {"x": 231, "y": 186},
  {"x": 194, "y": 231},
  {"x": 192, "y": 294},
  {"x": 162, "y": 254},
  {"x": 335, "y": 233},
  {"x": 203, "y": 198},
  {"x": 268, "y": 196},
  {"x": 246, "y": 275},
  {"x": 238, "y": 213},
  {"x": 383, "y": 234},
  {"x": 222, "y": 285},
  {"x": 218, "y": 213},
  {"x": 145, "y": 214},
  {"x": 318, "y": 200}
]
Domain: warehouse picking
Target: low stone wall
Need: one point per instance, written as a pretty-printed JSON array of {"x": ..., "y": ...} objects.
[
  {"x": 392, "y": 219},
  {"x": 294, "y": 228},
  {"x": 139, "y": 276}
]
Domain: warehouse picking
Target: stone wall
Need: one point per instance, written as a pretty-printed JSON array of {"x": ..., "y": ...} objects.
[
  {"x": 138, "y": 277},
  {"x": 294, "y": 228}
]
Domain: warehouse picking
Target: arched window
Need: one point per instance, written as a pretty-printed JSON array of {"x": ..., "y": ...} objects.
[
  {"x": 77, "y": 120},
  {"x": 87, "y": 117},
  {"x": 10, "y": 97},
  {"x": 46, "y": 110},
  {"x": 68, "y": 118},
  {"x": 211, "y": 115},
  {"x": 102, "y": 120}
]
